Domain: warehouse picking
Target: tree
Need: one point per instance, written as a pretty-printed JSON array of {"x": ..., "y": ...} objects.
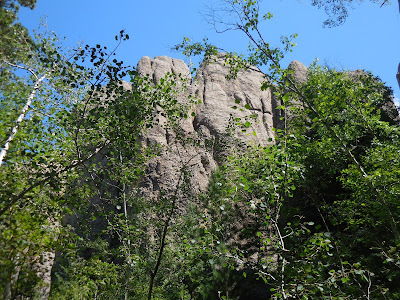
[
  {"x": 338, "y": 10},
  {"x": 335, "y": 137},
  {"x": 10, "y": 4},
  {"x": 42, "y": 145},
  {"x": 69, "y": 127}
]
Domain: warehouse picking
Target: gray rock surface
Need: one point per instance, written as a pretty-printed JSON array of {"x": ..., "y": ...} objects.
[
  {"x": 299, "y": 71},
  {"x": 163, "y": 171},
  {"x": 43, "y": 270},
  {"x": 398, "y": 71},
  {"x": 218, "y": 96},
  {"x": 158, "y": 67},
  {"x": 212, "y": 117}
]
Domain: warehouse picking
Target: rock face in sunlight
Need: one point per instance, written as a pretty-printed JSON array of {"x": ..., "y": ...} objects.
[
  {"x": 222, "y": 101},
  {"x": 218, "y": 95},
  {"x": 299, "y": 71}
]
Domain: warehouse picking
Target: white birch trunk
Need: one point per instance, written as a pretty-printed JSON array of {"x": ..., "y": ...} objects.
[{"x": 21, "y": 117}]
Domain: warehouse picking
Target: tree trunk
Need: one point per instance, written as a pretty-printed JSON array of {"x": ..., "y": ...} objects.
[{"x": 21, "y": 117}]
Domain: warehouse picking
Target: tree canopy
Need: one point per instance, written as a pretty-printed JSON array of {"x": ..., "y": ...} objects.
[{"x": 11, "y": 4}]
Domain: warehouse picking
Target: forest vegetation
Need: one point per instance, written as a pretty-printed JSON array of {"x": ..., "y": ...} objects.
[{"x": 322, "y": 203}]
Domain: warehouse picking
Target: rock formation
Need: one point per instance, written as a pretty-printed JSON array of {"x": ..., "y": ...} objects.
[
  {"x": 204, "y": 134},
  {"x": 212, "y": 117},
  {"x": 218, "y": 96}
]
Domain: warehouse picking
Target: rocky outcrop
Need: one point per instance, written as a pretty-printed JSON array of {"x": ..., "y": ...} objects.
[
  {"x": 219, "y": 97},
  {"x": 163, "y": 171},
  {"x": 222, "y": 101},
  {"x": 299, "y": 71},
  {"x": 398, "y": 71}
]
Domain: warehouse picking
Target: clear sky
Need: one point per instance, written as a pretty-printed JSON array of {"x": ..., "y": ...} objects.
[{"x": 370, "y": 38}]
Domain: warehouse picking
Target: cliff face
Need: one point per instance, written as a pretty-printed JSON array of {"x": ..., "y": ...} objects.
[
  {"x": 212, "y": 116},
  {"x": 218, "y": 95}
]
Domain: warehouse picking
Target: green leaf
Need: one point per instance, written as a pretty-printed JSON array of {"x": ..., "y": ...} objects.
[
  {"x": 345, "y": 279},
  {"x": 285, "y": 98}
]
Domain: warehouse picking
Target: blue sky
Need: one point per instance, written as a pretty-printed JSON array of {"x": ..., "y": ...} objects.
[{"x": 368, "y": 40}]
